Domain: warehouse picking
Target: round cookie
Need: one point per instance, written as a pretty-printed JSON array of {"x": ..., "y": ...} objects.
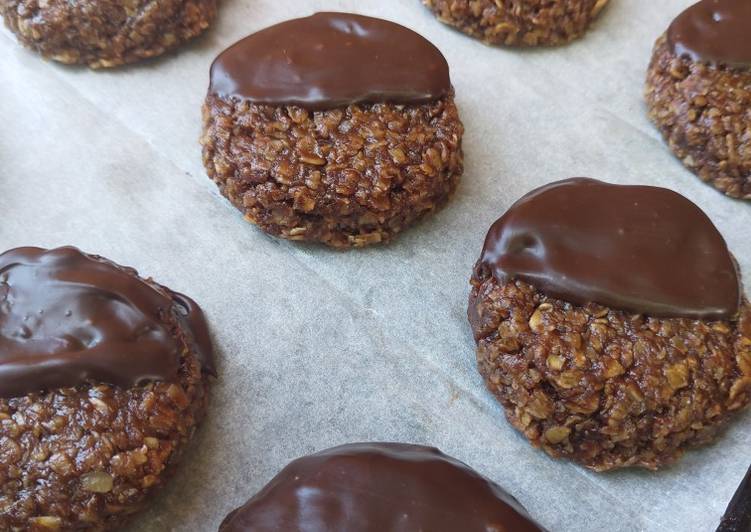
[
  {"x": 105, "y": 33},
  {"x": 698, "y": 92},
  {"x": 610, "y": 323},
  {"x": 103, "y": 378},
  {"x": 374, "y": 487},
  {"x": 335, "y": 128},
  {"x": 519, "y": 23}
]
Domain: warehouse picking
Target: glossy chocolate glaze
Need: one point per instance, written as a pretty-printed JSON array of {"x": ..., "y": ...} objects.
[
  {"x": 68, "y": 318},
  {"x": 714, "y": 31},
  {"x": 192, "y": 318},
  {"x": 737, "y": 517},
  {"x": 642, "y": 249},
  {"x": 379, "y": 487},
  {"x": 331, "y": 60}
]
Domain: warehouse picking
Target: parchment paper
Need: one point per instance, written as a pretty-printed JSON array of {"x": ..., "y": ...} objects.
[{"x": 318, "y": 348}]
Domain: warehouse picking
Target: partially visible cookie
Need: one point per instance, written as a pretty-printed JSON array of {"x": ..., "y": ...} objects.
[
  {"x": 519, "y": 23},
  {"x": 105, "y": 33},
  {"x": 698, "y": 92},
  {"x": 104, "y": 376},
  {"x": 335, "y": 128},
  {"x": 611, "y": 324},
  {"x": 378, "y": 487}
]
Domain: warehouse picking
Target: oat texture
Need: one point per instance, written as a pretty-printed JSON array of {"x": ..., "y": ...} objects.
[
  {"x": 105, "y": 33},
  {"x": 704, "y": 113},
  {"x": 602, "y": 387},
  {"x": 87, "y": 458},
  {"x": 347, "y": 177},
  {"x": 519, "y": 22}
]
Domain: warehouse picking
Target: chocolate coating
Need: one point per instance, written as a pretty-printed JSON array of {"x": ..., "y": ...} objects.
[
  {"x": 642, "y": 249},
  {"x": 715, "y": 31},
  {"x": 191, "y": 315},
  {"x": 737, "y": 517},
  {"x": 332, "y": 60},
  {"x": 67, "y": 318},
  {"x": 378, "y": 487}
]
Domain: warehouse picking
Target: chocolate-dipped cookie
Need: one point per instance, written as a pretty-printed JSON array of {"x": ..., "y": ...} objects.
[
  {"x": 515, "y": 23},
  {"x": 105, "y": 33},
  {"x": 335, "y": 128},
  {"x": 611, "y": 324},
  {"x": 698, "y": 92},
  {"x": 103, "y": 378},
  {"x": 377, "y": 487}
]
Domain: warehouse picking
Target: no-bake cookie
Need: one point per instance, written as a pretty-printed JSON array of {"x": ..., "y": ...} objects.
[
  {"x": 335, "y": 128},
  {"x": 103, "y": 378},
  {"x": 378, "y": 487},
  {"x": 698, "y": 92},
  {"x": 610, "y": 323},
  {"x": 105, "y": 33},
  {"x": 519, "y": 23}
]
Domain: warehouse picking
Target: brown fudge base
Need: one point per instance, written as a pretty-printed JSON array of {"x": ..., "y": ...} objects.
[
  {"x": 105, "y": 33},
  {"x": 514, "y": 23},
  {"x": 346, "y": 177},
  {"x": 603, "y": 387}
]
